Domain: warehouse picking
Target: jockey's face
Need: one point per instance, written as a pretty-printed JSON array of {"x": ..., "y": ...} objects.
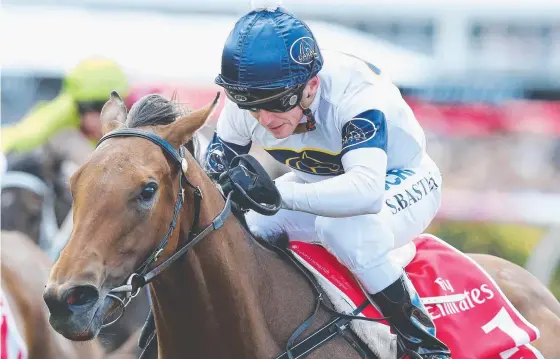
[
  {"x": 90, "y": 125},
  {"x": 280, "y": 124},
  {"x": 283, "y": 124}
]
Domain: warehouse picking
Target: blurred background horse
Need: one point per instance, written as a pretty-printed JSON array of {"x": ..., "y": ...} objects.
[
  {"x": 36, "y": 206},
  {"x": 24, "y": 270}
]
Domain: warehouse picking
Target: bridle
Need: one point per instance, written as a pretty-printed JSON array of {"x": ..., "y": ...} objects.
[{"x": 143, "y": 275}]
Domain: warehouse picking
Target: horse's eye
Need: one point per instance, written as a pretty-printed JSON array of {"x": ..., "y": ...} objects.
[{"x": 148, "y": 192}]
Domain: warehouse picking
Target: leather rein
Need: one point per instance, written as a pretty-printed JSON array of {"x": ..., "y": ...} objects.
[{"x": 143, "y": 275}]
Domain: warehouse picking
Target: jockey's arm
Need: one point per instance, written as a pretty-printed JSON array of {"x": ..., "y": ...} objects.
[
  {"x": 43, "y": 121},
  {"x": 228, "y": 141},
  {"x": 360, "y": 189}
]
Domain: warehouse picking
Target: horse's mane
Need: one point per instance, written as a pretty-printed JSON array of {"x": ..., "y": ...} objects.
[{"x": 153, "y": 110}]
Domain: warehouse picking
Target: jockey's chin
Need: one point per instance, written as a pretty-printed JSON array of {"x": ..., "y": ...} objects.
[
  {"x": 282, "y": 131},
  {"x": 280, "y": 125}
]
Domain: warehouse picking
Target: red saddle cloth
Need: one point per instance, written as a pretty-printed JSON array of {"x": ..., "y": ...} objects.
[{"x": 481, "y": 325}]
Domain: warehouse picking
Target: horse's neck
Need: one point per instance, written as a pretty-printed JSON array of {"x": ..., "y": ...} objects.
[{"x": 221, "y": 301}]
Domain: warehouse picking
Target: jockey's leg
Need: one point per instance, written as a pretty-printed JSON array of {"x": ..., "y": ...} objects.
[
  {"x": 298, "y": 226},
  {"x": 362, "y": 243}
]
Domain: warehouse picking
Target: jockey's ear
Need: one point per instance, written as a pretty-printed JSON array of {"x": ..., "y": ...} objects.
[
  {"x": 310, "y": 91},
  {"x": 113, "y": 113},
  {"x": 182, "y": 129}
]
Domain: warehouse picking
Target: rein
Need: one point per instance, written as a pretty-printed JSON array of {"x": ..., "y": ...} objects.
[{"x": 141, "y": 277}]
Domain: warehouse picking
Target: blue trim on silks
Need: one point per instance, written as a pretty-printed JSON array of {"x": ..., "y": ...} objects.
[
  {"x": 269, "y": 50},
  {"x": 368, "y": 129},
  {"x": 220, "y": 153}
]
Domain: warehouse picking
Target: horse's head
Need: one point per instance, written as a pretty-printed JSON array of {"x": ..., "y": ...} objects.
[
  {"x": 123, "y": 199},
  {"x": 28, "y": 196},
  {"x": 22, "y": 212}
]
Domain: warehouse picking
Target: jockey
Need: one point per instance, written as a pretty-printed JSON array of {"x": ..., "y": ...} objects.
[
  {"x": 361, "y": 182},
  {"x": 76, "y": 108}
]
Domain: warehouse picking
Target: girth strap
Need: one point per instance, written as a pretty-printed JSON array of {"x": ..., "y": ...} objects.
[
  {"x": 320, "y": 337},
  {"x": 342, "y": 319}
]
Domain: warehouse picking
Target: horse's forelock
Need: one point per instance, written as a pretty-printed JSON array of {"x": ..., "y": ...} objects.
[{"x": 153, "y": 110}]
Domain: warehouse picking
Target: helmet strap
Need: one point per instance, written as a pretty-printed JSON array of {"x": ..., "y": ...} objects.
[{"x": 309, "y": 124}]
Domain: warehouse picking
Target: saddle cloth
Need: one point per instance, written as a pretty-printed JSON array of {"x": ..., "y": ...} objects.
[
  {"x": 472, "y": 315},
  {"x": 12, "y": 345}
]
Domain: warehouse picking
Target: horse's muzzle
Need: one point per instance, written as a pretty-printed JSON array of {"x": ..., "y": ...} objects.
[{"x": 75, "y": 312}]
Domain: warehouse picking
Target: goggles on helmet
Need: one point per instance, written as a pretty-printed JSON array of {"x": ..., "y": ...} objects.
[
  {"x": 273, "y": 100},
  {"x": 282, "y": 100}
]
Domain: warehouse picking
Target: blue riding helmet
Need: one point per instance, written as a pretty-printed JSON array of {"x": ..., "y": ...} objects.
[{"x": 267, "y": 60}]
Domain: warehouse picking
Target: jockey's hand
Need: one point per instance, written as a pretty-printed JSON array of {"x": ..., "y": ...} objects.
[{"x": 248, "y": 180}]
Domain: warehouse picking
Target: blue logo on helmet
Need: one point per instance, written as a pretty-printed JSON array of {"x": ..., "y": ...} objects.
[{"x": 303, "y": 50}]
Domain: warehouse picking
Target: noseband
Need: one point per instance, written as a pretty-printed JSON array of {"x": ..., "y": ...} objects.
[{"x": 142, "y": 275}]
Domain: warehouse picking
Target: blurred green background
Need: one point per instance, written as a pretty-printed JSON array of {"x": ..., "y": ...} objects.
[{"x": 513, "y": 242}]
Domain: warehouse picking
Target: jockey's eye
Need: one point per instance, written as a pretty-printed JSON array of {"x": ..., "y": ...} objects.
[{"x": 148, "y": 191}]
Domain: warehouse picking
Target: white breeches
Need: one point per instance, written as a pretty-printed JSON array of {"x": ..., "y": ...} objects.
[{"x": 362, "y": 243}]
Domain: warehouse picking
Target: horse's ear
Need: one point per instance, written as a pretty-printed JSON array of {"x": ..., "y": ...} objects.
[
  {"x": 113, "y": 113},
  {"x": 180, "y": 131}
]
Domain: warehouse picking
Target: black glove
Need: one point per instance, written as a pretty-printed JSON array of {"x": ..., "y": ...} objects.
[{"x": 251, "y": 185}]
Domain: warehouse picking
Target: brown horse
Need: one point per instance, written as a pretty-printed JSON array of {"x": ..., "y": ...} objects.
[{"x": 228, "y": 297}]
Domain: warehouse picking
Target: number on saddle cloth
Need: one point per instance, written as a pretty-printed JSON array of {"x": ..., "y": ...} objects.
[{"x": 484, "y": 316}]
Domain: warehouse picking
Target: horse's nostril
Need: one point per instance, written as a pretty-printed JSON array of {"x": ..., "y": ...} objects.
[
  {"x": 81, "y": 295},
  {"x": 54, "y": 304}
]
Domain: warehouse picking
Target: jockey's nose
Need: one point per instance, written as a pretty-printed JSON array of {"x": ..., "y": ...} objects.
[{"x": 74, "y": 299}]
